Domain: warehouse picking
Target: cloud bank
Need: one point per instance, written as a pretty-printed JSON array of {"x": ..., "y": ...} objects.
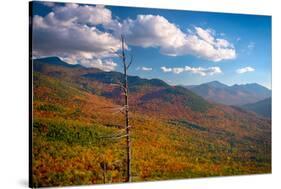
[
  {"x": 157, "y": 31},
  {"x": 199, "y": 70},
  {"x": 89, "y": 35},
  {"x": 66, "y": 32}
]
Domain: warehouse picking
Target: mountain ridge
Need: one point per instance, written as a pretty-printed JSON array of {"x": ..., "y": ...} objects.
[
  {"x": 175, "y": 132},
  {"x": 213, "y": 91},
  {"x": 106, "y": 84},
  {"x": 226, "y": 85},
  {"x": 262, "y": 107},
  {"x": 237, "y": 94}
]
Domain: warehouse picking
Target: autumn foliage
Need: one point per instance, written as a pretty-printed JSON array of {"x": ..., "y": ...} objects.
[{"x": 175, "y": 133}]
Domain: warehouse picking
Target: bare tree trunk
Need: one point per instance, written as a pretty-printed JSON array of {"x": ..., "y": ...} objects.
[
  {"x": 104, "y": 172},
  {"x": 128, "y": 142}
]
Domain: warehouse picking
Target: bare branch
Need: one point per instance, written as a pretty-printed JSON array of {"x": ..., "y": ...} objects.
[
  {"x": 119, "y": 84},
  {"x": 123, "y": 87},
  {"x": 121, "y": 136},
  {"x": 131, "y": 60},
  {"x": 115, "y": 84},
  {"x": 120, "y": 55},
  {"x": 110, "y": 107},
  {"x": 113, "y": 51},
  {"x": 120, "y": 110},
  {"x": 123, "y": 51}
]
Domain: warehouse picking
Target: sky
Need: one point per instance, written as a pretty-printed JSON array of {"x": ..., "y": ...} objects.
[{"x": 179, "y": 47}]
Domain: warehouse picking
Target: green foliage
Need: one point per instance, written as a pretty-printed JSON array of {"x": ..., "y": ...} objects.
[
  {"x": 50, "y": 108},
  {"x": 69, "y": 152},
  {"x": 195, "y": 102},
  {"x": 185, "y": 123},
  {"x": 60, "y": 89},
  {"x": 74, "y": 132},
  {"x": 176, "y": 95},
  {"x": 135, "y": 83},
  {"x": 71, "y": 129}
]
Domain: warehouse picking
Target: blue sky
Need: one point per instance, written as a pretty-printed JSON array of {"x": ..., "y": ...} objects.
[{"x": 179, "y": 47}]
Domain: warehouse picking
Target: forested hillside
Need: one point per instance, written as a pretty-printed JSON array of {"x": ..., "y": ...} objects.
[{"x": 78, "y": 129}]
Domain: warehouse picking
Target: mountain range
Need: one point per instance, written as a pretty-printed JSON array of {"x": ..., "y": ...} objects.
[
  {"x": 218, "y": 92},
  {"x": 146, "y": 90},
  {"x": 262, "y": 107},
  {"x": 176, "y": 133}
]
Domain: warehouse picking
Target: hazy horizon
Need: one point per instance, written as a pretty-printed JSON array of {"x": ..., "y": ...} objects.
[{"x": 168, "y": 82}]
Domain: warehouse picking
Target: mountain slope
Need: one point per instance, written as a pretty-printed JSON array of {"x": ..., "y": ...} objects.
[
  {"x": 231, "y": 95},
  {"x": 134, "y": 82},
  {"x": 262, "y": 107},
  {"x": 143, "y": 91},
  {"x": 172, "y": 138},
  {"x": 176, "y": 97}
]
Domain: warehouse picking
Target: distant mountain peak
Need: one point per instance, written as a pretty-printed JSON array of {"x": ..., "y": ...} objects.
[
  {"x": 215, "y": 81},
  {"x": 237, "y": 94},
  {"x": 252, "y": 87},
  {"x": 50, "y": 59},
  {"x": 54, "y": 60},
  {"x": 249, "y": 85},
  {"x": 216, "y": 84}
]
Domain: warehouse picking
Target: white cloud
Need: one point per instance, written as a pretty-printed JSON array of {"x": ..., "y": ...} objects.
[
  {"x": 206, "y": 35},
  {"x": 165, "y": 69},
  {"x": 223, "y": 43},
  {"x": 106, "y": 65},
  {"x": 245, "y": 70},
  {"x": 151, "y": 31},
  {"x": 49, "y": 4},
  {"x": 157, "y": 31},
  {"x": 195, "y": 70},
  {"x": 178, "y": 70},
  {"x": 146, "y": 68},
  {"x": 63, "y": 33},
  {"x": 71, "y": 33},
  {"x": 52, "y": 36},
  {"x": 84, "y": 14},
  {"x": 204, "y": 71}
]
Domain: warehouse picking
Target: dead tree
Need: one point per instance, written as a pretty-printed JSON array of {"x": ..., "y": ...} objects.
[
  {"x": 123, "y": 84},
  {"x": 124, "y": 87}
]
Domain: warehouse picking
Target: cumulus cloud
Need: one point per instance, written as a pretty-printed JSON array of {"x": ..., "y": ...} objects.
[
  {"x": 206, "y": 35},
  {"x": 84, "y": 14},
  {"x": 49, "y": 4},
  {"x": 195, "y": 70},
  {"x": 143, "y": 68},
  {"x": 84, "y": 34},
  {"x": 64, "y": 33},
  {"x": 157, "y": 31},
  {"x": 245, "y": 70},
  {"x": 165, "y": 69},
  {"x": 151, "y": 31},
  {"x": 106, "y": 65},
  {"x": 204, "y": 71}
]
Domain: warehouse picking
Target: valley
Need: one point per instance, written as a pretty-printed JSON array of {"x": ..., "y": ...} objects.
[{"x": 78, "y": 129}]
